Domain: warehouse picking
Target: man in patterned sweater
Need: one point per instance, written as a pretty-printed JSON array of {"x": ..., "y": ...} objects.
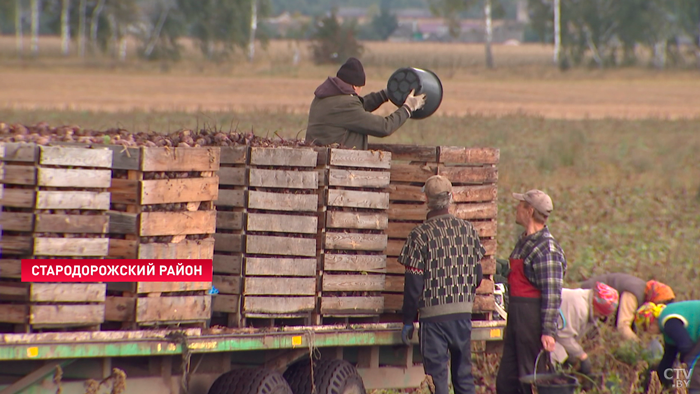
[
  {"x": 442, "y": 257},
  {"x": 537, "y": 268}
]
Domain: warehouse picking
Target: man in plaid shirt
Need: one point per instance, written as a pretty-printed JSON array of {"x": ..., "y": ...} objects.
[{"x": 537, "y": 268}]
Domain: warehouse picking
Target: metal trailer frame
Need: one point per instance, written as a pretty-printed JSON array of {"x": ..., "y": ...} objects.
[{"x": 154, "y": 361}]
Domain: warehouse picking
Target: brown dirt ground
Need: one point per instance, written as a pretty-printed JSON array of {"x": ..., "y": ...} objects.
[{"x": 554, "y": 99}]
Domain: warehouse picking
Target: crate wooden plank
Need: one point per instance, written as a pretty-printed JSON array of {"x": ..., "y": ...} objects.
[
  {"x": 61, "y": 177},
  {"x": 357, "y": 220},
  {"x": 83, "y": 315},
  {"x": 169, "y": 287},
  {"x": 472, "y": 211},
  {"x": 10, "y": 268},
  {"x": 255, "y": 266},
  {"x": 16, "y": 314},
  {"x": 358, "y": 178},
  {"x": 227, "y": 264},
  {"x": 123, "y": 248},
  {"x": 280, "y": 286},
  {"x": 399, "y": 192},
  {"x": 474, "y": 193},
  {"x": 278, "y": 305},
  {"x": 394, "y": 246},
  {"x": 181, "y": 159},
  {"x": 392, "y": 302},
  {"x": 173, "y": 309},
  {"x": 234, "y": 154},
  {"x": 487, "y": 287},
  {"x": 16, "y": 221},
  {"x": 332, "y": 282},
  {"x": 271, "y": 245},
  {"x": 177, "y": 223},
  {"x": 230, "y": 220},
  {"x": 290, "y": 157},
  {"x": 408, "y": 152},
  {"x": 232, "y": 176},
  {"x": 18, "y": 175},
  {"x": 75, "y": 157},
  {"x": 202, "y": 249},
  {"x": 402, "y": 229},
  {"x": 13, "y": 291},
  {"x": 488, "y": 265},
  {"x": 72, "y": 200},
  {"x": 358, "y": 199},
  {"x": 477, "y": 175},
  {"x": 67, "y": 292},
  {"x": 18, "y": 198},
  {"x": 123, "y": 222},
  {"x": 482, "y": 302},
  {"x": 124, "y": 191},
  {"x": 360, "y": 158},
  {"x": 228, "y": 242},
  {"x": 64, "y": 223},
  {"x": 459, "y": 154},
  {"x": 394, "y": 267},
  {"x": 355, "y": 241},
  {"x": 354, "y": 263},
  {"x": 19, "y": 152},
  {"x": 395, "y": 284},
  {"x": 412, "y": 172},
  {"x": 285, "y": 179},
  {"x": 226, "y": 303},
  {"x": 230, "y": 198},
  {"x": 10, "y": 244},
  {"x": 120, "y": 309},
  {"x": 125, "y": 158},
  {"x": 414, "y": 212},
  {"x": 351, "y": 305},
  {"x": 164, "y": 191},
  {"x": 227, "y": 284},
  {"x": 282, "y": 223},
  {"x": 282, "y": 201},
  {"x": 89, "y": 247}
]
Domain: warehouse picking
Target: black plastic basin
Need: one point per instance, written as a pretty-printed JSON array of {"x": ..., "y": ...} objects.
[{"x": 403, "y": 80}]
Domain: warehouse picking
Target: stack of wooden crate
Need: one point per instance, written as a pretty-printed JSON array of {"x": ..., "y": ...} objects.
[
  {"x": 54, "y": 208},
  {"x": 473, "y": 174},
  {"x": 355, "y": 190},
  {"x": 230, "y": 233},
  {"x": 280, "y": 236},
  {"x": 162, "y": 208}
]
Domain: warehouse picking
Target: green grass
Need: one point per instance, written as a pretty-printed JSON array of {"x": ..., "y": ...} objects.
[{"x": 626, "y": 193}]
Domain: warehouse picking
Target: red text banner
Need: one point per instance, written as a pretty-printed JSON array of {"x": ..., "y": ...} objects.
[{"x": 56, "y": 270}]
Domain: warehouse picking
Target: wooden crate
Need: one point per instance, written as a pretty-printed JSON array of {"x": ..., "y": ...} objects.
[
  {"x": 28, "y": 307},
  {"x": 473, "y": 173},
  {"x": 159, "y": 304},
  {"x": 230, "y": 234},
  {"x": 162, "y": 208},
  {"x": 280, "y": 265},
  {"x": 355, "y": 190},
  {"x": 18, "y": 179}
]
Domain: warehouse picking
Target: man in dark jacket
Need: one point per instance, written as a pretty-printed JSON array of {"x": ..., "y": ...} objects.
[
  {"x": 535, "y": 281},
  {"x": 443, "y": 270},
  {"x": 339, "y": 115}
]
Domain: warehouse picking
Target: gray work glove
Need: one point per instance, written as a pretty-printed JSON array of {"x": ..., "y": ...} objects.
[{"x": 413, "y": 102}]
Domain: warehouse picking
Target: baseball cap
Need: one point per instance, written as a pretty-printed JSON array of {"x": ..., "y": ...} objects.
[
  {"x": 436, "y": 185},
  {"x": 538, "y": 199}
]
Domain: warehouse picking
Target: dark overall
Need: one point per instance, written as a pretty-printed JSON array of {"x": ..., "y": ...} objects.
[{"x": 522, "y": 339}]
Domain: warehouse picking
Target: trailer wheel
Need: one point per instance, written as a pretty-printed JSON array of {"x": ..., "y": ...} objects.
[
  {"x": 250, "y": 381},
  {"x": 330, "y": 377}
]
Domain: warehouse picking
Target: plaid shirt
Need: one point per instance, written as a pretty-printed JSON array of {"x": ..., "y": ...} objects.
[{"x": 544, "y": 264}]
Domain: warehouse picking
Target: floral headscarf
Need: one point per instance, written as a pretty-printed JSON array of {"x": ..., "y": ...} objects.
[
  {"x": 647, "y": 314},
  {"x": 658, "y": 292},
  {"x": 605, "y": 299}
]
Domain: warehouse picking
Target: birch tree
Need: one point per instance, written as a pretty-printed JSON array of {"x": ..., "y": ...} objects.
[
  {"x": 35, "y": 4},
  {"x": 82, "y": 24},
  {"x": 65, "y": 27},
  {"x": 18, "y": 27}
]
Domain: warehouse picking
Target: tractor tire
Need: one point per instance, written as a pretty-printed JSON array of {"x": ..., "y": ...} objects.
[
  {"x": 330, "y": 377},
  {"x": 250, "y": 381}
]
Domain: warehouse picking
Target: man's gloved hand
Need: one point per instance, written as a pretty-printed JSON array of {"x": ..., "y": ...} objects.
[
  {"x": 585, "y": 367},
  {"x": 413, "y": 102},
  {"x": 407, "y": 334}
]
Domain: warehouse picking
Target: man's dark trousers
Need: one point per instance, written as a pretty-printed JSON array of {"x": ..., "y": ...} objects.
[
  {"x": 436, "y": 339},
  {"x": 521, "y": 345}
]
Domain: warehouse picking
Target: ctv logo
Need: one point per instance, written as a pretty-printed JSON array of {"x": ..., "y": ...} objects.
[{"x": 679, "y": 376}]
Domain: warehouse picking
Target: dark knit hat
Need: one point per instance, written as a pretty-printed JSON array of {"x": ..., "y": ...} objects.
[{"x": 352, "y": 72}]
